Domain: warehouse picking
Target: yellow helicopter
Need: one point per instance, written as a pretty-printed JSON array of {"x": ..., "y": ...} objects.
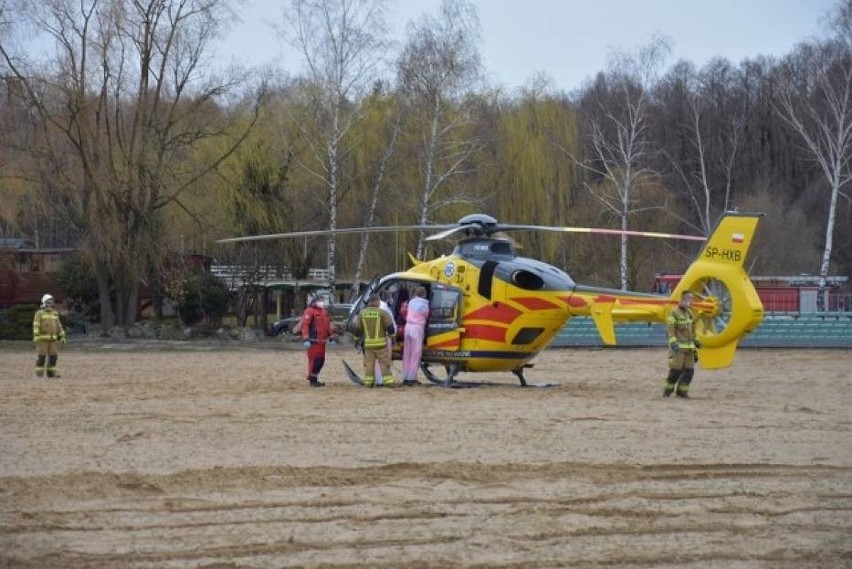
[{"x": 492, "y": 310}]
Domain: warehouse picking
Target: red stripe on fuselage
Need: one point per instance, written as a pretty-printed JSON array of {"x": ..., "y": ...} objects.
[
  {"x": 452, "y": 344},
  {"x": 496, "y": 312},
  {"x": 534, "y": 303},
  {"x": 485, "y": 332}
]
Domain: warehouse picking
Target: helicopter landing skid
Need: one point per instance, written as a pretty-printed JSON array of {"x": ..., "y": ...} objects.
[
  {"x": 355, "y": 378},
  {"x": 452, "y": 370}
]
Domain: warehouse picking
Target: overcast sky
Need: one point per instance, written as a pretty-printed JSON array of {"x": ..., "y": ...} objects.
[{"x": 570, "y": 40}]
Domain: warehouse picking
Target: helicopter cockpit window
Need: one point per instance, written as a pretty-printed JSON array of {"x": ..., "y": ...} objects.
[{"x": 444, "y": 309}]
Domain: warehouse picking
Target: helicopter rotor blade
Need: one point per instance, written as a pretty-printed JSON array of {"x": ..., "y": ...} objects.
[
  {"x": 446, "y": 233},
  {"x": 339, "y": 231},
  {"x": 470, "y": 226},
  {"x": 600, "y": 230}
]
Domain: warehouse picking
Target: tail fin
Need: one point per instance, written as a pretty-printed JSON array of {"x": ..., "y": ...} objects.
[{"x": 727, "y": 306}]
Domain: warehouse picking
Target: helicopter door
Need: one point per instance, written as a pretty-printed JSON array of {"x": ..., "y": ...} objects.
[
  {"x": 360, "y": 303},
  {"x": 443, "y": 331}
]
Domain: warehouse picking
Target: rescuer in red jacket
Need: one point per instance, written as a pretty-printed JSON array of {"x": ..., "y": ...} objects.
[{"x": 316, "y": 333}]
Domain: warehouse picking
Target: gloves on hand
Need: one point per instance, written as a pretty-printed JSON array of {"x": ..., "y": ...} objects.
[
  {"x": 332, "y": 341},
  {"x": 63, "y": 339},
  {"x": 697, "y": 344},
  {"x": 675, "y": 348},
  {"x": 695, "y": 357},
  {"x": 306, "y": 343}
]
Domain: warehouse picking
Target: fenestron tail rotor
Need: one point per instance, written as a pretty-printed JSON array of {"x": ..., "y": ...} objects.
[{"x": 716, "y": 322}]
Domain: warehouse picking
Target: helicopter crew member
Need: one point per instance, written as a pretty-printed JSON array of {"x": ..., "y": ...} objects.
[
  {"x": 316, "y": 333},
  {"x": 376, "y": 328},
  {"x": 417, "y": 313},
  {"x": 683, "y": 347},
  {"x": 47, "y": 333}
]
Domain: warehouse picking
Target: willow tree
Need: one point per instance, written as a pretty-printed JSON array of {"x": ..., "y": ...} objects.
[
  {"x": 123, "y": 103},
  {"x": 534, "y": 181}
]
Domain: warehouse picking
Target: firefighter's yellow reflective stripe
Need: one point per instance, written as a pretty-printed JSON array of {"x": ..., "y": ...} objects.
[{"x": 373, "y": 338}]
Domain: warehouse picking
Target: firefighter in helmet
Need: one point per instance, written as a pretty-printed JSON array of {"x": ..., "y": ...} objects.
[
  {"x": 683, "y": 348},
  {"x": 317, "y": 331},
  {"x": 47, "y": 334}
]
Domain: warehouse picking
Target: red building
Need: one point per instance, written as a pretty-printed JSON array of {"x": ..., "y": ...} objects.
[{"x": 26, "y": 273}]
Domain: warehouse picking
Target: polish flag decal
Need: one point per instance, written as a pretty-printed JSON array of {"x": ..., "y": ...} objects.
[{"x": 737, "y": 237}]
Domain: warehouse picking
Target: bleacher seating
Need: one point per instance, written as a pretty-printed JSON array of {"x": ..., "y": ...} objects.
[{"x": 819, "y": 330}]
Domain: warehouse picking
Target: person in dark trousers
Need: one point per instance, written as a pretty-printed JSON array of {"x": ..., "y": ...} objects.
[
  {"x": 47, "y": 334},
  {"x": 683, "y": 348},
  {"x": 317, "y": 332},
  {"x": 376, "y": 329}
]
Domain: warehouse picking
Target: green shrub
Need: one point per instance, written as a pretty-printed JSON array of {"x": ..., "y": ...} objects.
[
  {"x": 16, "y": 323},
  {"x": 77, "y": 280},
  {"x": 204, "y": 298}
]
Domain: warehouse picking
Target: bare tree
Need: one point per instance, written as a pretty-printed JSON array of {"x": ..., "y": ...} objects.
[
  {"x": 439, "y": 66},
  {"x": 618, "y": 138},
  {"x": 704, "y": 164},
  {"x": 818, "y": 106},
  {"x": 123, "y": 106},
  {"x": 342, "y": 43}
]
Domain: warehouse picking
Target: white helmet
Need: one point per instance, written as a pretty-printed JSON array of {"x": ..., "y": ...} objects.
[{"x": 45, "y": 299}]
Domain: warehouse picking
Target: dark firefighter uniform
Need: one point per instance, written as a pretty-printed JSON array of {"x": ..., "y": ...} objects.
[
  {"x": 47, "y": 333},
  {"x": 375, "y": 326},
  {"x": 683, "y": 348}
]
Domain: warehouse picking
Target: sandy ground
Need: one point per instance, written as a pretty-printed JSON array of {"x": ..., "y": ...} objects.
[{"x": 220, "y": 456}]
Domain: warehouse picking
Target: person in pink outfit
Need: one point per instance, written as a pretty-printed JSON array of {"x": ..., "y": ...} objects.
[{"x": 415, "y": 329}]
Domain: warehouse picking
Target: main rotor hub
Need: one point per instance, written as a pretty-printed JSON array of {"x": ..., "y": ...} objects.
[{"x": 478, "y": 224}]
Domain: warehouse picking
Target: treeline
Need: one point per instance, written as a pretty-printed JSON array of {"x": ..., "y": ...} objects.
[{"x": 130, "y": 144}]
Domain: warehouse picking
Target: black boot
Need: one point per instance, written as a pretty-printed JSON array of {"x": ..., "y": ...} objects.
[
  {"x": 671, "y": 380},
  {"x": 683, "y": 384},
  {"x": 51, "y": 366},
  {"x": 315, "y": 382}
]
